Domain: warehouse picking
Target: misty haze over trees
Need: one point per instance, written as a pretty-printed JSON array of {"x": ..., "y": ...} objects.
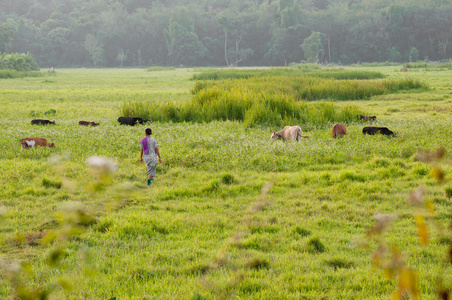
[{"x": 117, "y": 33}]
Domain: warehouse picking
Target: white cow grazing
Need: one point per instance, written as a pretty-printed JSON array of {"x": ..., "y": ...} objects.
[{"x": 289, "y": 133}]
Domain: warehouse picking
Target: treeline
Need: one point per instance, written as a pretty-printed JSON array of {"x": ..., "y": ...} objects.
[{"x": 117, "y": 33}]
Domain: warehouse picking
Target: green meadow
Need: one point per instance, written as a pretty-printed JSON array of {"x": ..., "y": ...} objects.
[{"x": 232, "y": 214}]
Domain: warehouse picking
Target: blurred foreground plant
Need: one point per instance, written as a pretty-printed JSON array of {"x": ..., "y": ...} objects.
[
  {"x": 389, "y": 258},
  {"x": 72, "y": 220}
]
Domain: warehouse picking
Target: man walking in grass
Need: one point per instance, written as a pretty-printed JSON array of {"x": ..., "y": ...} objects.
[{"x": 150, "y": 152}]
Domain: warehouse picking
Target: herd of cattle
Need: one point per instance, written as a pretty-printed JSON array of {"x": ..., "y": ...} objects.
[
  {"x": 31, "y": 142},
  {"x": 295, "y": 132},
  {"x": 288, "y": 133}
]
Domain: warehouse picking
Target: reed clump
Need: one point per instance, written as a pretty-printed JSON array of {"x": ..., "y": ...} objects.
[
  {"x": 137, "y": 109},
  {"x": 343, "y": 74},
  {"x": 272, "y": 100},
  {"x": 313, "y": 88},
  {"x": 293, "y": 71},
  {"x": 265, "y": 108}
]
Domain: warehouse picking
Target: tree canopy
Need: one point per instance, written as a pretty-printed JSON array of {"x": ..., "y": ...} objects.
[{"x": 114, "y": 33}]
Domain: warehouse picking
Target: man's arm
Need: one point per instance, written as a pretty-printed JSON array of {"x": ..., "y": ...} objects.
[
  {"x": 141, "y": 155},
  {"x": 158, "y": 154}
]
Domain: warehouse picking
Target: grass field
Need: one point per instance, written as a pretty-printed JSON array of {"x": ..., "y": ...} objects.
[{"x": 232, "y": 214}]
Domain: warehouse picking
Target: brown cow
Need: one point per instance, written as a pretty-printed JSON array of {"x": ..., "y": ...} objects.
[
  {"x": 338, "y": 130},
  {"x": 86, "y": 123},
  {"x": 289, "y": 133},
  {"x": 31, "y": 142}
]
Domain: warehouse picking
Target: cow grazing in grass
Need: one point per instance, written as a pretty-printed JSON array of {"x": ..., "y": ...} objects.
[
  {"x": 289, "y": 133},
  {"x": 131, "y": 121},
  {"x": 367, "y": 118},
  {"x": 41, "y": 122},
  {"x": 31, "y": 142},
  {"x": 338, "y": 130},
  {"x": 86, "y": 123},
  {"x": 375, "y": 130}
]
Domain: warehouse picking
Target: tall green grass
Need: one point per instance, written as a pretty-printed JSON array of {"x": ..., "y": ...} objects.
[
  {"x": 138, "y": 109},
  {"x": 251, "y": 109},
  {"x": 342, "y": 74},
  {"x": 5, "y": 74},
  {"x": 271, "y": 101},
  {"x": 220, "y": 74},
  {"x": 312, "y": 88},
  {"x": 322, "y": 73}
]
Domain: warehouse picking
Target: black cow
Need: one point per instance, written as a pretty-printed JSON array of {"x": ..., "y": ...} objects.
[
  {"x": 374, "y": 130},
  {"x": 41, "y": 122},
  {"x": 131, "y": 121},
  {"x": 367, "y": 118}
]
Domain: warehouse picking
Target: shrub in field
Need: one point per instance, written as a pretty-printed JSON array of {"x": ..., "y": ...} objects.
[{"x": 18, "y": 61}]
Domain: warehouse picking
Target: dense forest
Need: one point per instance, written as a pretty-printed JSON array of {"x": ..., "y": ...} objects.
[{"x": 118, "y": 33}]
